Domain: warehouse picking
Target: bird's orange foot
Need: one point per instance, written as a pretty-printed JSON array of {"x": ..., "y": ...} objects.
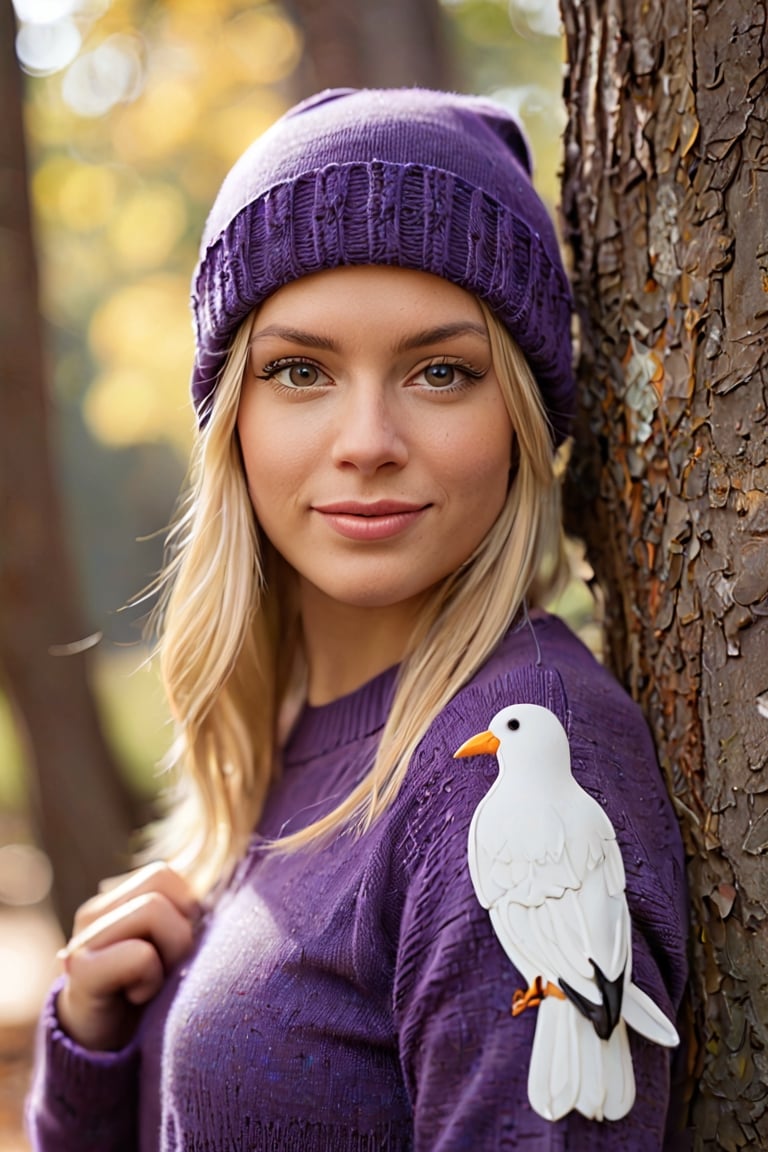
[{"x": 533, "y": 996}]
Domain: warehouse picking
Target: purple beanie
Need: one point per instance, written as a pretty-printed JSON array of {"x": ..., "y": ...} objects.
[{"x": 426, "y": 180}]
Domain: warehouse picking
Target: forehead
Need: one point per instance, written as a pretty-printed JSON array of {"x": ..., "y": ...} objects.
[{"x": 374, "y": 294}]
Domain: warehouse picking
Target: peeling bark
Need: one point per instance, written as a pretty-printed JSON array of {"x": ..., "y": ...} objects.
[{"x": 666, "y": 212}]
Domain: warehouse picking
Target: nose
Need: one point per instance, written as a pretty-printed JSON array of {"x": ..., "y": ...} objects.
[{"x": 369, "y": 433}]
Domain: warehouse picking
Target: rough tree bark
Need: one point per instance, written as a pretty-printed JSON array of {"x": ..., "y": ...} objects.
[
  {"x": 666, "y": 208},
  {"x": 380, "y": 43},
  {"x": 82, "y": 810}
]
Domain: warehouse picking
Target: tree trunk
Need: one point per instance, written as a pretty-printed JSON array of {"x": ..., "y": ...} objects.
[
  {"x": 666, "y": 209},
  {"x": 379, "y": 43},
  {"x": 81, "y": 808}
]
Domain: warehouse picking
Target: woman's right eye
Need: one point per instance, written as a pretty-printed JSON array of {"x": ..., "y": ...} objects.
[{"x": 295, "y": 374}]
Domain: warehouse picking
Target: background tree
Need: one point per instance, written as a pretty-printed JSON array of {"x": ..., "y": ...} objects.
[
  {"x": 82, "y": 812},
  {"x": 666, "y": 204},
  {"x": 382, "y": 43}
]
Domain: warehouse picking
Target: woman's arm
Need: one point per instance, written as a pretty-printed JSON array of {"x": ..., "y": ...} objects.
[
  {"x": 464, "y": 1056},
  {"x": 84, "y": 1095},
  {"x": 81, "y": 1101}
]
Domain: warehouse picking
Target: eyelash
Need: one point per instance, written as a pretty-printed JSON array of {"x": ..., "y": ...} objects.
[
  {"x": 269, "y": 373},
  {"x": 468, "y": 374}
]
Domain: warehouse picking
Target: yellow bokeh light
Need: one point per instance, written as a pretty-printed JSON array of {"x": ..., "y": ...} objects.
[
  {"x": 260, "y": 47},
  {"x": 142, "y": 338},
  {"x": 72, "y": 273},
  {"x": 187, "y": 20},
  {"x": 145, "y": 323},
  {"x": 121, "y": 196},
  {"x": 201, "y": 175},
  {"x": 158, "y": 123},
  {"x": 47, "y": 120},
  {"x": 87, "y": 198},
  {"x": 184, "y": 14},
  {"x": 229, "y": 131},
  {"x": 121, "y": 16},
  {"x": 46, "y": 185},
  {"x": 143, "y": 233},
  {"x": 127, "y": 406},
  {"x": 120, "y": 408},
  {"x": 78, "y": 196}
]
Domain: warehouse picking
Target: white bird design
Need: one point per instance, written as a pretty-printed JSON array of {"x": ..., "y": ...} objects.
[{"x": 545, "y": 862}]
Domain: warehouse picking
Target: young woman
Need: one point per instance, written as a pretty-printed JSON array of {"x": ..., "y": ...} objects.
[{"x": 382, "y": 378}]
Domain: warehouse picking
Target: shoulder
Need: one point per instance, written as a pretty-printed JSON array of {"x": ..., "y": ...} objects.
[
  {"x": 612, "y": 758},
  {"x": 612, "y": 752},
  {"x": 440, "y": 794},
  {"x": 542, "y": 662}
]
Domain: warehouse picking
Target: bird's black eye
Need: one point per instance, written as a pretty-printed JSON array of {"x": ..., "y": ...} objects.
[{"x": 513, "y": 725}]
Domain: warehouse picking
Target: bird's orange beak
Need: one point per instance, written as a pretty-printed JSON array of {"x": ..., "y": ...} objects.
[{"x": 476, "y": 745}]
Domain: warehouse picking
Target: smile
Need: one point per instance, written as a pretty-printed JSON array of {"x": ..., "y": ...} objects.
[{"x": 379, "y": 520}]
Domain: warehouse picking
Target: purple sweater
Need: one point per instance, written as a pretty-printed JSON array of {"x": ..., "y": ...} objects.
[{"x": 356, "y": 998}]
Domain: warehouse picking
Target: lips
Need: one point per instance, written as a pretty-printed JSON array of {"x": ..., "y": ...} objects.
[
  {"x": 370, "y": 521},
  {"x": 365, "y": 508}
]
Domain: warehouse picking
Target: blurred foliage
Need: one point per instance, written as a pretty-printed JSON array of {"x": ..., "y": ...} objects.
[
  {"x": 129, "y": 144},
  {"x": 12, "y": 791},
  {"x": 514, "y": 52},
  {"x": 133, "y": 711},
  {"x": 135, "y": 110}
]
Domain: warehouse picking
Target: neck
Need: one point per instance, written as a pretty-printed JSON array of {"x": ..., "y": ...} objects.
[{"x": 347, "y": 645}]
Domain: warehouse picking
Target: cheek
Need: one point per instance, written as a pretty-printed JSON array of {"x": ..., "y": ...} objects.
[
  {"x": 274, "y": 455},
  {"x": 480, "y": 457},
  {"x": 271, "y": 475}
]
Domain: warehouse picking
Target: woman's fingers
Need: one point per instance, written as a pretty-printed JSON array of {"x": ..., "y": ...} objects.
[
  {"x": 149, "y": 916},
  {"x": 132, "y": 968},
  {"x": 153, "y": 878},
  {"x": 124, "y": 944},
  {"x": 99, "y": 1005}
]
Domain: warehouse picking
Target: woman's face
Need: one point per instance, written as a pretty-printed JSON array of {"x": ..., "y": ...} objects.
[{"x": 376, "y": 442}]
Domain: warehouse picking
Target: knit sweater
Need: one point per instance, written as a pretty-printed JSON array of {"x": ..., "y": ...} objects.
[{"x": 355, "y": 997}]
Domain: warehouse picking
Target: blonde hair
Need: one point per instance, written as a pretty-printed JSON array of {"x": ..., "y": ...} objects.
[{"x": 228, "y": 632}]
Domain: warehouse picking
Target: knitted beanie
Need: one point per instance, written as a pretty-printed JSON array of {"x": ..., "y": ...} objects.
[{"x": 419, "y": 179}]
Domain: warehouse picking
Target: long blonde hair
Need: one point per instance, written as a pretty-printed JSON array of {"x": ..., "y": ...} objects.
[{"x": 228, "y": 631}]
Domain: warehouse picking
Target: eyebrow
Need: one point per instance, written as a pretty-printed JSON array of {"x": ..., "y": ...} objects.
[
  {"x": 434, "y": 335},
  {"x": 295, "y": 336},
  {"x": 442, "y": 332}
]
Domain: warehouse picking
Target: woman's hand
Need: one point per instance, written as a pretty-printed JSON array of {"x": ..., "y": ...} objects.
[{"x": 124, "y": 943}]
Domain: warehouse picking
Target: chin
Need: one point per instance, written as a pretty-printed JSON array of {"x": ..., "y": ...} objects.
[{"x": 375, "y": 597}]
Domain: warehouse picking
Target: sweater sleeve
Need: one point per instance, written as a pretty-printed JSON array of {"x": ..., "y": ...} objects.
[
  {"x": 465, "y": 1058},
  {"x": 80, "y": 1101}
]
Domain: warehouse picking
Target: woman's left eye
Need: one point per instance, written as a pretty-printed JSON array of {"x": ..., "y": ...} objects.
[
  {"x": 295, "y": 374},
  {"x": 446, "y": 376}
]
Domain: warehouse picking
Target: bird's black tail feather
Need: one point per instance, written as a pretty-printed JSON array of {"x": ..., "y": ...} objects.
[{"x": 605, "y": 1015}]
